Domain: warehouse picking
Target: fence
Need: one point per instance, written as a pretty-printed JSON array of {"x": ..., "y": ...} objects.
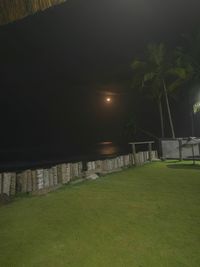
[
  {"x": 45, "y": 180},
  {"x": 174, "y": 149}
]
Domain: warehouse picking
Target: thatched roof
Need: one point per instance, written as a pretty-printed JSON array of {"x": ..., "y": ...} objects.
[{"x": 11, "y": 10}]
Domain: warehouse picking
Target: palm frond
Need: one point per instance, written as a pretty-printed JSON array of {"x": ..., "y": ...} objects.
[
  {"x": 196, "y": 107},
  {"x": 138, "y": 65},
  {"x": 156, "y": 53},
  {"x": 149, "y": 76},
  {"x": 182, "y": 73},
  {"x": 175, "y": 85}
]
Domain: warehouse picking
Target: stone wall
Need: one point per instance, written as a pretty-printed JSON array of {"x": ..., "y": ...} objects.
[{"x": 48, "y": 179}]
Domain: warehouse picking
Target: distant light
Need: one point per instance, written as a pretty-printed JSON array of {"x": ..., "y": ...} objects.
[
  {"x": 108, "y": 99},
  {"x": 196, "y": 107}
]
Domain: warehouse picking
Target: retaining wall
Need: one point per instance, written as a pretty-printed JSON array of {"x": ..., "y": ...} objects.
[{"x": 45, "y": 180}]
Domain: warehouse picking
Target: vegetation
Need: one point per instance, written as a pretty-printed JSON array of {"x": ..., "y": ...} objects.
[
  {"x": 145, "y": 216},
  {"x": 162, "y": 72},
  {"x": 159, "y": 75},
  {"x": 11, "y": 10},
  {"x": 188, "y": 59}
]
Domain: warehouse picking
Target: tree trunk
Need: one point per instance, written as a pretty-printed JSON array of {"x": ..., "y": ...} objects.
[
  {"x": 168, "y": 110},
  {"x": 161, "y": 118},
  {"x": 191, "y": 107},
  {"x": 192, "y": 123}
]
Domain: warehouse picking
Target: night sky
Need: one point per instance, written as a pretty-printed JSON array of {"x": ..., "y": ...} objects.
[{"x": 57, "y": 67}]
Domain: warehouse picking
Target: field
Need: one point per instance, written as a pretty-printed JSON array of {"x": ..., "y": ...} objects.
[{"x": 147, "y": 216}]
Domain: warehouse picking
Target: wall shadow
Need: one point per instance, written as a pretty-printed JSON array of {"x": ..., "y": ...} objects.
[{"x": 184, "y": 166}]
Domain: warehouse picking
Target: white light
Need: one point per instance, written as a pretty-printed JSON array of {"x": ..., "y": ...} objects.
[{"x": 196, "y": 107}]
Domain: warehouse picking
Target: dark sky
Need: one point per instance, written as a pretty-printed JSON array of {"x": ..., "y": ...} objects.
[{"x": 56, "y": 67}]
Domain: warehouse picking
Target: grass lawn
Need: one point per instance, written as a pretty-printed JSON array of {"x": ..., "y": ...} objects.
[{"x": 141, "y": 217}]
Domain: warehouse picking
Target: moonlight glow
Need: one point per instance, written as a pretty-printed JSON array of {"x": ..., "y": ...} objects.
[{"x": 108, "y": 99}]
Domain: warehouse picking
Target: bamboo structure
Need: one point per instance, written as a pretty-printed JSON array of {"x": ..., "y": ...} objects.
[{"x": 11, "y": 10}]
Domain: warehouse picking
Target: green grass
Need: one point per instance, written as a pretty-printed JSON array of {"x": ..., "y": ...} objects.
[{"x": 141, "y": 217}]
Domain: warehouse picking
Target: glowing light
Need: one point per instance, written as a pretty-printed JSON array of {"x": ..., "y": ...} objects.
[
  {"x": 196, "y": 107},
  {"x": 108, "y": 99}
]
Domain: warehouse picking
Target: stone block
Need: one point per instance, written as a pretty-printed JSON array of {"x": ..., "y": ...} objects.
[
  {"x": 6, "y": 183},
  {"x": 55, "y": 175},
  {"x": 29, "y": 181},
  {"x": 23, "y": 181},
  {"x": 46, "y": 178},
  {"x": 51, "y": 183},
  {"x": 75, "y": 170},
  {"x": 1, "y": 183},
  {"x": 34, "y": 181},
  {"x": 40, "y": 178},
  {"x": 64, "y": 173},
  {"x": 80, "y": 169},
  {"x": 13, "y": 184}
]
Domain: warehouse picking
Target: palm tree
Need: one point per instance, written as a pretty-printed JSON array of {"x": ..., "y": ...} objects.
[
  {"x": 188, "y": 59},
  {"x": 11, "y": 10},
  {"x": 158, "y": 74},
  {"x": 140, "y": 80}
]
